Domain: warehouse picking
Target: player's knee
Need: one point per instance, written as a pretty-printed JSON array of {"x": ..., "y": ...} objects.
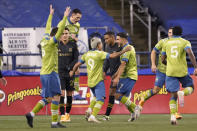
[
  {"x": 49, "y": 99},
  {"x": 62, "y": 92}
]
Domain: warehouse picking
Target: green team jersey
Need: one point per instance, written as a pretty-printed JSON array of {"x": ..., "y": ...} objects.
[
  {"x": 49, "y": 48},
  {"x": 158, "y": 48},
  {"x": 175, "y": 50},
  {"x": 131, "y": 65},
  {"x": 94, "y": 61},
  {"x": 73, "y": 28}
]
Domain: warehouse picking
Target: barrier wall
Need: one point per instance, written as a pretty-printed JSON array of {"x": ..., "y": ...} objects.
[{"x": 22, "y": 93}]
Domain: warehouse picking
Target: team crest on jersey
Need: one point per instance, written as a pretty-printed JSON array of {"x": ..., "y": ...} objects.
[{"x": 70, "y": 49}]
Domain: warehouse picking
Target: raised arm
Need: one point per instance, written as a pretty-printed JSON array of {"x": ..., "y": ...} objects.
[
  {"x": 193, "y": 59},
  {"x": 49, "y": 21},
  {"x": 116, "y": 54}
]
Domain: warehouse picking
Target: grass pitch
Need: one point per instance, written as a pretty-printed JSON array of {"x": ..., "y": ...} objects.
[{"x": 159, "y": 122}]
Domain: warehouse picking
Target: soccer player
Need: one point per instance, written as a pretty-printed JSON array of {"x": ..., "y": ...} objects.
[
  {"x": 126, "y": 76},
  {"x": 72, "y": 23},
  {"x": 3, "y": 82},
  {"x": 49, "y": 72},
  {"x": 67, "y": 57},
  {"x": 175, "y": 50},
  {"x": 160, "y": 71},
  {"x": 94, "y": 60},
  {"x": 112, "y": 65}
]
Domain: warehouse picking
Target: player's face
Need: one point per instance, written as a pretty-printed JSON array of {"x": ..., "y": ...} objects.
[
  {"x": 76, "y": 17},
  {"x": 170, "y": 33},
  {"x": 119, "y": 40},
  {"x": 65, "y": 35},
  {"x": 107, "y": 39}
]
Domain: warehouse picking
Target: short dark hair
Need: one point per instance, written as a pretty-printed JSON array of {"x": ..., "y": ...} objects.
[
  {"x": 76, "y": 10},
  {"x": 54, "y": 31},
  {"x": 66, "y": 29},
  {"x": 122, "y": 35},
  {"x": 177, "y": 30},
  {"x": 110, "y": 33}
]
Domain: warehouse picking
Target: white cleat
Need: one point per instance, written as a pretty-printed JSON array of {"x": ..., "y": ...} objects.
[
  {"x": 181, "y": 98},
  {"x": 93, "y": 119},
  {"x": 87, "y": 114},
  {"x": 132, "y": 117},
  {"x": 173, "y": 120},
  {"x": 137, "y": 111},
  {"x": 106, "y": 118}
]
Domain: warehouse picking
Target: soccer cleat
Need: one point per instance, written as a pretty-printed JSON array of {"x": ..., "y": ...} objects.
[
  {"x": 63, "y": 118},
  {"x": 173, "y": 120},
  {"x": 67, "y": 117},
  {"x": 132, "y": 118},
  {"x": 137, "y": 111},
  {"x": 93, "y": 119},
  {"x": 181, "y": 98},
  {"x": 142, "y": 101},
  {"x": 106, "y": 118},
  {"x": 87, "y": 114},
  {"x": 58, "y": 125},
  {"x": 29, "y": 120},
  {"x": 178, "y": 116}
]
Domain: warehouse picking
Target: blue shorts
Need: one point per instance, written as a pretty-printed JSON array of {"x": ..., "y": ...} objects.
[
  {"x": 160, "y": 79},
  {"x": 99, "y": 91},
  {"x": 172, "y": 83},
  {"x": 50, "y": 85},
  {"x": 125, "y": 86}
]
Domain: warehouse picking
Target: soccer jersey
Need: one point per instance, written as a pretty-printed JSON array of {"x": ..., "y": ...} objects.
[
  {"x": 49, "y": 48},
  {"x": 175, "y": 48},
  {"x": 131, "y": 65},
  {"x": 158, "y": 48},
  {"x": 73, "y": 28},
  {"x": 94, "y": 61}
]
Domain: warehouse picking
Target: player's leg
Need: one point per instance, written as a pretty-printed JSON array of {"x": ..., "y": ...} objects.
[
  {"x": 112, "y": 91},
  {"x": 172, "y": 86},
  {"x": 100, "y": 96},
  {"x": 159, "y": 82},
  {"x": 187, "y": 84},
  {"x": 62, "y": 97}
]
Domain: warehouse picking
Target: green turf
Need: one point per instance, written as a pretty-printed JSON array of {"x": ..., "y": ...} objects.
[{"x": 157, "y": 122}]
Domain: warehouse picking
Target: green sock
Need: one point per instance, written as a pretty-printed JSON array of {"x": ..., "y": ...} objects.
[
  {"x": 129, "y": 104},
  {"x": 148, "y": 94},
  {"x": 54, "y": 111},
  {"x": 97, "y": 108},
  {"x": 76, "y": 83},
  {"x": 173, "y": 106},
  {"x": 187, "y": 91},
  {"x": 38, "y": 106},
  {"x": 92, "y": 103}
]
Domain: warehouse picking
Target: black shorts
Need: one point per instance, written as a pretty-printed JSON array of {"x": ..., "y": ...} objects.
[{"x": 67, "y": 83}]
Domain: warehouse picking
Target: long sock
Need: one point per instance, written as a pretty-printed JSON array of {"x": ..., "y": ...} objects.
[
  {"x": 188, "y": 90},
  {"x": 173, "y": 105},
  {"x": 62, "y": 105},
  {"x": 92, "y": 103},
  {"x": 76, "y": 83},
  {"x": 129, "y": 104},
  {"x": 54, "y": 111},
  {"x": 39, "y": 106},
  {"x": 110, "y": 105},
  {"x": 69, "y": 104},
  {"x": 148, "y": 94},
  {"x": 97, "y": 108}
]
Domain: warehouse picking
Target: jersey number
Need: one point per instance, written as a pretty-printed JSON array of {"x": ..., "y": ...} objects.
[
  {"x": 91, "y": 63},
  {"x": 174, "y": 52}
]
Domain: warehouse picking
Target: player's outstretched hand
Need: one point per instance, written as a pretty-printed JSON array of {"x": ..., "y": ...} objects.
[
  {"x": 3, "y": 81},
  {"x": 67, "y": 11},
  {"x": 51, "y": 10}
]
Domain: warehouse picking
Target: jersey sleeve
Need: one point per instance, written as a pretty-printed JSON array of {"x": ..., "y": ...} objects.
[
  {"x": 187, "y": 45},
  {"x": 82, "y": 60},
  {"x": 158, "y": 46},
  {"x": 163, "y": 50},
  {"x": 48, "y": 25},
  {"x": 125, "y": 57},
  {"x": 104, "y": 55}
]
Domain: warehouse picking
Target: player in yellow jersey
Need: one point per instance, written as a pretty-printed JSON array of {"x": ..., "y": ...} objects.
[
  {"x": 174, "y": 55},
  {"x": 49, "y": 72},
  {"x": 94, "y": 60}
]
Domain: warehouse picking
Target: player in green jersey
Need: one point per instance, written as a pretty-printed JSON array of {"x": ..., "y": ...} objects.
[
  {"x": 160, "y": 71},
  {"x": 94, "y": 60},
  {"x": 126, "y": 76},
  {"x": 174, "y": 51},
  {"x": 49, "y": 72}
]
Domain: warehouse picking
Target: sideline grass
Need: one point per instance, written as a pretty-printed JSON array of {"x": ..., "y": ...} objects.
[{"x": 159, "y": 122}]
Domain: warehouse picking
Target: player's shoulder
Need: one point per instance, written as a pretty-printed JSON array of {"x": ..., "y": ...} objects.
[{"x": 77, "y": 24}]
